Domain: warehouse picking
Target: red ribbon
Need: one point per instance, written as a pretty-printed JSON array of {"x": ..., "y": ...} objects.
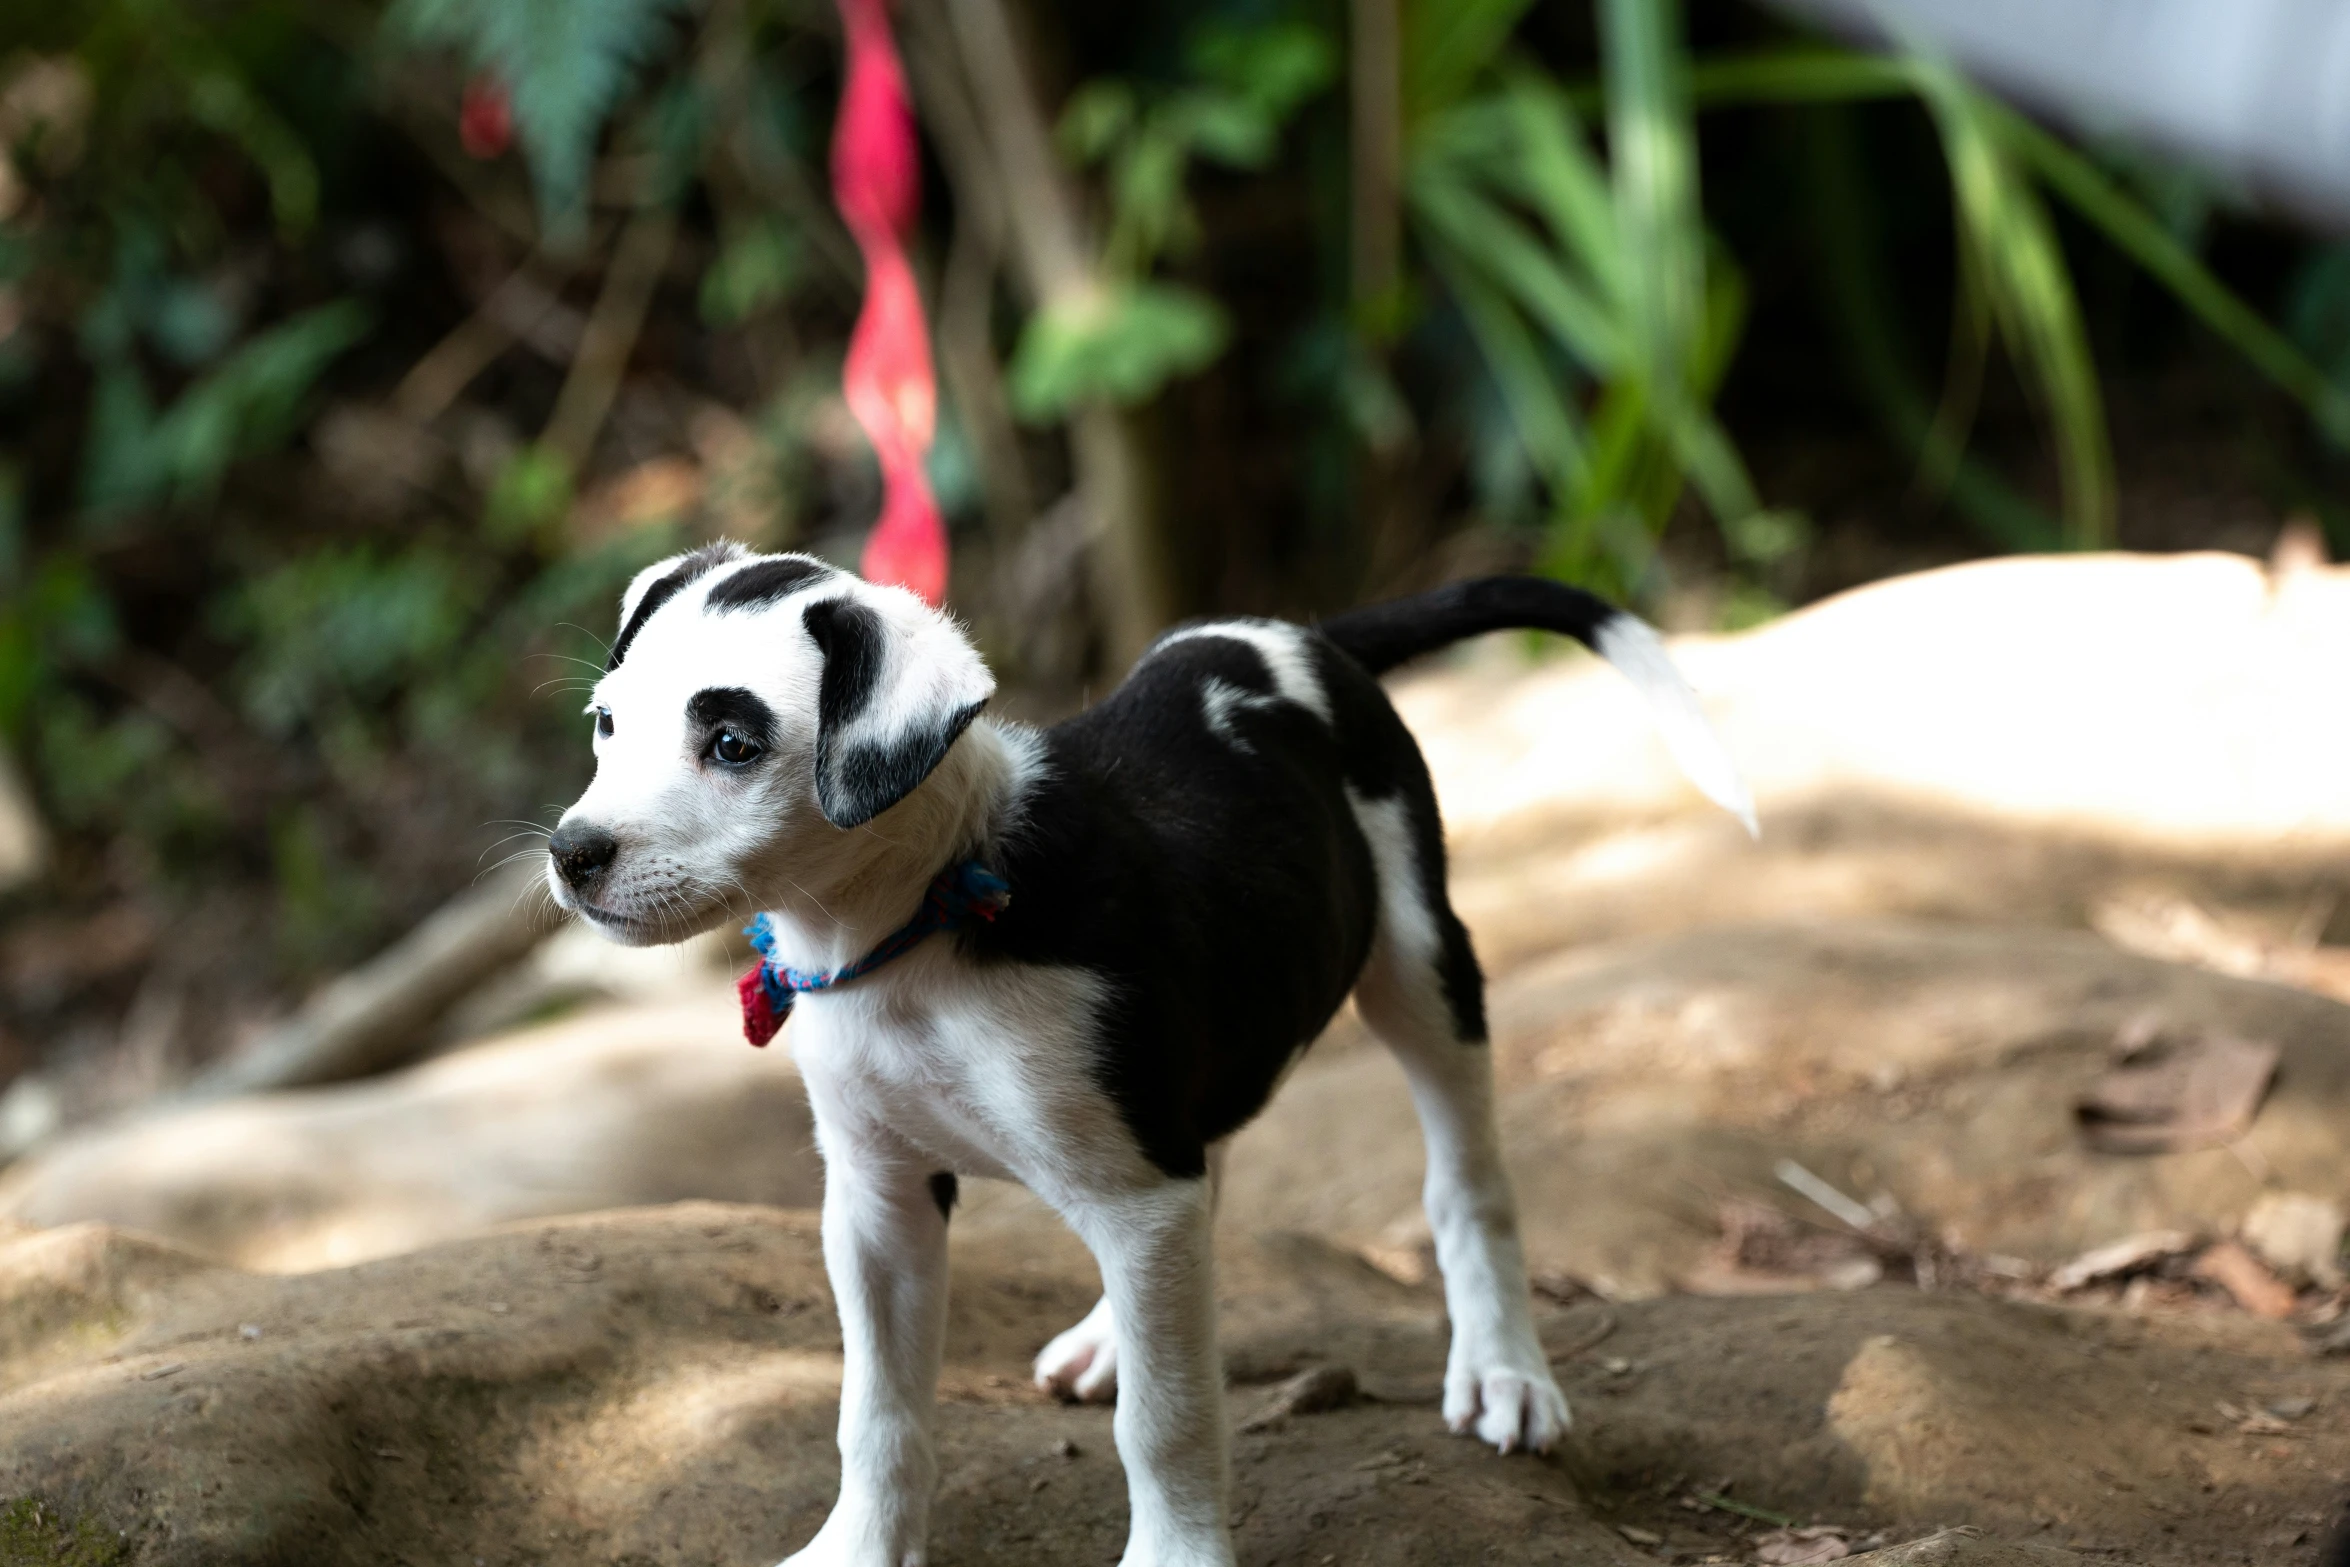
[{"x": 887, "y": 379}]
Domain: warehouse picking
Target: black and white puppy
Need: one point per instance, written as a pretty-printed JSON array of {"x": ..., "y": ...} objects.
[{"x": 1202, "y": 867}]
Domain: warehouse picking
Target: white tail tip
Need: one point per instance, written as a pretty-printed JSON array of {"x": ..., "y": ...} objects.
[{"x": 1630, "y": 644}]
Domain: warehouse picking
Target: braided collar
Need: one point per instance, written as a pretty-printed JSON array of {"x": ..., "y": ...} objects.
[{"x": 958, "y": 895}]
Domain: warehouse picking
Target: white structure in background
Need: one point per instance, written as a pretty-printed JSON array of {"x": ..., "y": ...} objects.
[{"x": 2258, "y": 90}]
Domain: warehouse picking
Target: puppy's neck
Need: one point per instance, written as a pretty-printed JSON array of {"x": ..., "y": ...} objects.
[{"x": 876, "y": 881}]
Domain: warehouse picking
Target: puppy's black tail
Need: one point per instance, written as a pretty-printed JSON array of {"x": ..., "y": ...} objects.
[{"x": 1382, "y": 636}]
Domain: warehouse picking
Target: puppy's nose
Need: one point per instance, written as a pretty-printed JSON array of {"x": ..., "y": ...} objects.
[{"x": 581, "y": 851}]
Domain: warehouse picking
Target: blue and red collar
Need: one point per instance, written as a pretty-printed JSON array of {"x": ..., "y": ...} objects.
[{"x": 958, "y": 895}]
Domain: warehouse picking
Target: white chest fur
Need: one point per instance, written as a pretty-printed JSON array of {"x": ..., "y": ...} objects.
[{"x": 986, "y": 1069}]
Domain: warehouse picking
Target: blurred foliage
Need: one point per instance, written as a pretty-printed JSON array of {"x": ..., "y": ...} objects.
[
  {"x": 563, "y": 65},
  {"x": 1125, "y": 342},
  {"x": 295, "y": 585}
]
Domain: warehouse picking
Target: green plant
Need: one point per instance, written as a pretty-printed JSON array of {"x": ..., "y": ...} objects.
[
  {"x": 1126, "y": 341},
  {"x": 1603, "y": 311},
  {"x": 34, "y": 1534},
  {"x": 2013, "y": 273},
  {"x": 563, "y": 63}
]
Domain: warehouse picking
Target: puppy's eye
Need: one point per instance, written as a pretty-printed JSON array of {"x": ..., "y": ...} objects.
[
  {"x": 732, "y": 750},
  {"x": 604, "y": 722}
]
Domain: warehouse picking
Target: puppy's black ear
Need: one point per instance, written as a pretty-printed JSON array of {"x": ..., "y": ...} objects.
[{"x": 899, "y": 684}]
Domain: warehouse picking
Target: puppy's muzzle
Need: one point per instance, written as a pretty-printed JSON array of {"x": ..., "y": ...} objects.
[{"x": 581, "y": 852}]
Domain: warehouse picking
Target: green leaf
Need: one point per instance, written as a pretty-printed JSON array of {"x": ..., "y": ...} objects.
[
  {"x": 1555, "y": 174},
  {"x": 252, "y": 401},
  {"x": 1586, "y": 323},
  {"x": 756, "y": 268},
  {"x": 344, "y": 623},
  {"x": 220, "y": 101},
  {"x": 1118, "y": 347},
  {"x": 1860, "y": 311},
  {"x": 529, "y": 497},
  {"x": 1275, "y": 67},
  {"x": 1146, "y": 192},
  {"x": 1233, "y": 131},
  {"x": 1547, "y": 424},
  {"x": 1446, "y": 45},
  {"x": 2023, "y": 270},
  {"x": 565, "y": 65},
  {"x": 1803, "y": 75},
  {"x": 1652, "y": 157},
  {"x": 1098, "y": 116},
  {"x": 2138, "y": 234},
  {"x": 248, "y": 403}
]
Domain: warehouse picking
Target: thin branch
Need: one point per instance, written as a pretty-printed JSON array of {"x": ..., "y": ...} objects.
[
  {"x": 1056, "y": 257},
  {"x": 525, "y": 307},
  {"x": 612, "y": 328},
  {"x": 966, "y": 305},
  {"x": 1375, "y": 93}
]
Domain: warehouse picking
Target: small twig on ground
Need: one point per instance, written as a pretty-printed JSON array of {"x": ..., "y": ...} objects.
[
  {"x": 1310, "y": 1392},
  {"x": 1590, "y": 1341},
  {"x": 1798, "y": 1179}
]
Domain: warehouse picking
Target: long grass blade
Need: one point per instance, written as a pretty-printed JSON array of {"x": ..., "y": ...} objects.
[
  {"x": 1548, "y": 426},
  {"x": 1447, "y": 44},
  {"x": 2031, "y": 293},
  {"x": 1514, "y": 260},
  {"x": 1551, "y": 169},
  {"x": 1652, "y": 158},
  {"x": 2142, "y": 237},
  {"x": 1858, "y": 305}
]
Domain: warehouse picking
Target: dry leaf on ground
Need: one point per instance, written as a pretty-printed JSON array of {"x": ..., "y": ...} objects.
[
  {"x": 2178, "y": 1095},
  {"x": 1764, "y": 1251},
  {"x": 2119, "y": 1257},
  {"x": 2243, "y": 1276},
  {"x": 1800, "y": 1547}
]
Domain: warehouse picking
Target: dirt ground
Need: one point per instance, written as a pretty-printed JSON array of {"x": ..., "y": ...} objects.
[
  {"x": 656, "y": 1385},
  {"x": 461, "y": 1313}
]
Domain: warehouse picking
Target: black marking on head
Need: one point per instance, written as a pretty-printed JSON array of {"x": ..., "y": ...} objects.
[
  {"x": 695, "y": 566},
  {"x": 943, "y": 1191},
  {"x": 849, "y": 636},
  {"x": 766, "y": 582},
  {"x": 858, "y": 779},
  {"x": 729, "y": 707}
]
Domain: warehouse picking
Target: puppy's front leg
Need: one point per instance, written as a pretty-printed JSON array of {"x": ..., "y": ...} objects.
[
  {"x": 1158, "y": 1279},
  {"x": 885, "y": 1247}
]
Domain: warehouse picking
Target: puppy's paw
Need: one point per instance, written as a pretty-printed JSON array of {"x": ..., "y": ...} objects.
[
  {"x": 1513, "y": 1407},
  {"x": 1081, "y": 1366}
]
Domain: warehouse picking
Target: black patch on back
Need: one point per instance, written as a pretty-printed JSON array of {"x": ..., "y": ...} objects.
[
  {"x": 766, "y": 582},
  {"x": 943, "y": 1191},
  {"x": 694, "y": 567},
  {"x": 730, "y": 707},
  {"x": 1225, "y": 900},
  {"x": 857, "y": 781}
]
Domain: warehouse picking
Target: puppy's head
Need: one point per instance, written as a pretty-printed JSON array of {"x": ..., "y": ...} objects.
[{"x": 754, "y": 711}]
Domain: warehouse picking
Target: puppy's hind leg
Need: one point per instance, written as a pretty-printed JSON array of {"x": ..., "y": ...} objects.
[
  {"x": 1081, "y": 1363},
  {"x": 1422, "y": 995}
]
